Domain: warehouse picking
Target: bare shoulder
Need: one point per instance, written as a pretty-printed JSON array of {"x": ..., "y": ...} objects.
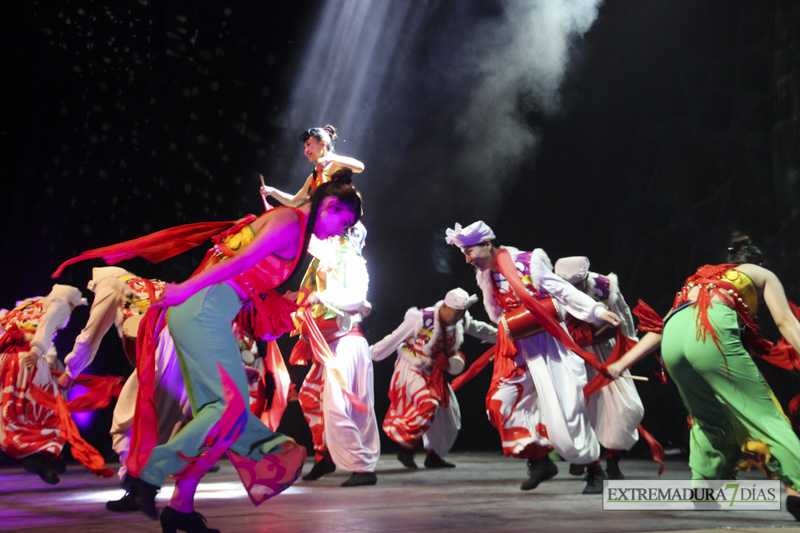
[
  {"x": 758, "y": 274},
  {"x": 278, "y": 218}
]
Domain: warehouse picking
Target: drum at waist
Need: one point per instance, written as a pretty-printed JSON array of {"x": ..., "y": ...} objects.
[
  {"x": 520, "y": 323},
  {"x": 130, "y": 331},
  {"x": 130, "y": 328},
  {"x": 336, "y": 328}
]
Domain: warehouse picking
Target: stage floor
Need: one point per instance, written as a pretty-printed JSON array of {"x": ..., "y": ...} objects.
[{"x": 481, "y": 494}]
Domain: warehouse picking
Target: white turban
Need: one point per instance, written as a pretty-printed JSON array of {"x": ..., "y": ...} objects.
[
  {"x": 573, "y": 269},
  {"x": 459, "y": 299},
  {"x": 475, "y": 233}
]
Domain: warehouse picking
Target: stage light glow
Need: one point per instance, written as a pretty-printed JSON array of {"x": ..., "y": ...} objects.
[
  {"x": 82, "y": 420},
  {"x": 227, "y": 490}
]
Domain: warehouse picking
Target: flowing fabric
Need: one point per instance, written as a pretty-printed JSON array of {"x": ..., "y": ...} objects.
[
  {"x": 282, "y": 381},
  {"x": 28, "y": 427},
  {"x": 474, "y": 369},
  {"x": 622, "y": 346},
  {"x": 154, "y": 247},
  {"x": 224, "y": 433},
  {"x": 322, "y": 353},
  {"x": 84, "y": 452},
  {"x": 144, "y": 432},
  {"x": 656, "y": 449}
]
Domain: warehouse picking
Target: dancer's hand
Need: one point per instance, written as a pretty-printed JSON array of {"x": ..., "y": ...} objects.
[
  {"x": 29, "y": 359},
  {"x": 322, "y": 163},
  {"x": 611, "y": 318},
  {"x": 266, "y": 190},
  {"x": 615, "y": 369},
  {"x": 174, "y": 294},
  {"x": 64, "y": 381},
  {"x": 313, "y": 299}
]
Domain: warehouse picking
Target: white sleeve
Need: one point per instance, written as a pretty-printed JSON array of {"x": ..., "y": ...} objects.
[
  {"x": 385, "y": 347},
  {"x": 578, "y": 304},
  {"x": 55, "y": 317},
  {"x": 481, "y": 330},
  {"x": 108, "y": 297},
  {"x": 351, "y": 294}
]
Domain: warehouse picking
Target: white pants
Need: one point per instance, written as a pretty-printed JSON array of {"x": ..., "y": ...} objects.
[
  {"x": 172, "y": 405},
  {"x": 351, "y": 436}
]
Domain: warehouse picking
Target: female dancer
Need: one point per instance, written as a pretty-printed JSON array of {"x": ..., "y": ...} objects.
[
  {"x": 318, "y": 148},
  {"x": 704, "y": 345},
  {"x": 199, "y": 317}
]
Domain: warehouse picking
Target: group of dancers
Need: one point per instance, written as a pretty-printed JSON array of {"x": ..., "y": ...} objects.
[{"x": 563, "y": 338}]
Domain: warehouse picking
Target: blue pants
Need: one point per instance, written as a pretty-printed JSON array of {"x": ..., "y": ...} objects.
[{"x": 201, "y": 329}]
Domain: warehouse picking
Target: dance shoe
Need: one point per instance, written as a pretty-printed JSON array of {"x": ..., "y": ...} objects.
[
  {"x": 432, "y": 460},
  {"x": 538, "y": 471},
  {"x": 123, "y": 505},
  {"x": 194, "y": 522},
  {"x": 407, "y": 458},
  {"x": 47, "y": 470},
  {"x": 594, "y": 480},
  {"x": 612, "y": 468},
  {"x": 793, "y": 506},
  {"x": 320, "y": 468},
  {"x": 361, "y": 478},
  {"x": 575, "y": 470},
  {"x": 144, "y": 495}
]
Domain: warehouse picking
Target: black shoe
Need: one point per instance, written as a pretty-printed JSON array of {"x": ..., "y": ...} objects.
[
  {"x": 594, "y": 480},
  {"x": 361, "y": 478},
  {"x": 432, "y": 460},
  {"x": 59, "y": 466},
  {"x": 37, "y": 464},
  {"x": 145, "y": 495},
  {"x": 407, "y": 458},
  {"x": 793, "y": 506},
  {"x": 612, "y": 468},
  {"x": 125, "y": 504},
  {"x": 194, "y": 522},
  {"x": 575, "y": 470},
  {"x": 319, "y": 469},
  {"x": 538, "y": 471}
]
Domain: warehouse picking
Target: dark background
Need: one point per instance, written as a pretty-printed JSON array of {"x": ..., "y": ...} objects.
[{"x": 667, "y": 125}]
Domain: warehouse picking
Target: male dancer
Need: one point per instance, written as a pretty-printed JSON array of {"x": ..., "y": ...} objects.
[
  {"x": 28, "y": 430},
  {"x": 343, "y": 436},
  {"x": 616, "y": 410},
  {"x": 535, "y": 400},
  {"x": 423, "y": 406},
  {"x": 121, "y": 299}
]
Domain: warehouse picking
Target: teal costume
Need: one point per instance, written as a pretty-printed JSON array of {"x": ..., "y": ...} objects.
[{"x": 199, "y": 340}]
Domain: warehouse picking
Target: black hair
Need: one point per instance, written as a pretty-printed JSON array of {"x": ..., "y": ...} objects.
[
  {"x": 321, "y": 134},
  {"x": 742, "y": 250},
  {"x": 340, "y": 186}
]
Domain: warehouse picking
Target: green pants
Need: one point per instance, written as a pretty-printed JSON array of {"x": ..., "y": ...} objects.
[
  {"x": 727, "y": 398},
  {"x": 201, "y": 329}
]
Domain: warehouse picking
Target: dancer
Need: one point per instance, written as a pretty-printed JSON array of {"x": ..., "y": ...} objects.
[
  {"x": 120, "y": 299},
  {"x": 318, "y": 146},
  {"x": 199, "y": 317},
  {"x": 705, "y": 344},
  {"x": 333, "y": 293},
  {"x": 616, "y": 410},
  {"x": 423, "y": 406},
  {"x": 535, "y": 400},
  {"x": 29, "y": 430}
]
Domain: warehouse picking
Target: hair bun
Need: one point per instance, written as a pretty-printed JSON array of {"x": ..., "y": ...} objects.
[
  {"x": 344, "y": 175},
  {"x": 739, "y": 240}
]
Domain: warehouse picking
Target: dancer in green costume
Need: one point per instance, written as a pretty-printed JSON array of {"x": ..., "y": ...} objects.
[{"x": 704, "y": 343}]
